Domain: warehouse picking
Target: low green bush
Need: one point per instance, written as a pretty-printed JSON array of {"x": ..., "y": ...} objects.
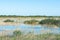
[
  {"x": 31, "y": 22},
  {"x": 8, "y": 20},
  {"x": 50, "y": 21}
]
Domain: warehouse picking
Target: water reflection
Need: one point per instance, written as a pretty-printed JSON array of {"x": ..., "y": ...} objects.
[{"x": 37, "y": 29}]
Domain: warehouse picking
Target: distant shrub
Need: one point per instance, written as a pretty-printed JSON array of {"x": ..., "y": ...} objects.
[
  {"x": 8, "y": 20},
  {"x": 31, "y": 22}
]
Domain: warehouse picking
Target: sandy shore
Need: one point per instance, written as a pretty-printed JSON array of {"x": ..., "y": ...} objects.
[{"x": 9, "y": 23}]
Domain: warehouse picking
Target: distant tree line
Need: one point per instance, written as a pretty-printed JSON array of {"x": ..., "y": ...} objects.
[{"x": 27, "y": 16}]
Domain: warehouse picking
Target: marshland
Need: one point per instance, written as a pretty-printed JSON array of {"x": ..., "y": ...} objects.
[{"x": 29, "y": 27}]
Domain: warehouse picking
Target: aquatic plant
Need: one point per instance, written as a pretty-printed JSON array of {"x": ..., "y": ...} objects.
[{"x": 17, "y": 32}]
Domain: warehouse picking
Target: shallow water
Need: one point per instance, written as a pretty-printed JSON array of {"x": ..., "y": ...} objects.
[{"x": 36, "y": 29}]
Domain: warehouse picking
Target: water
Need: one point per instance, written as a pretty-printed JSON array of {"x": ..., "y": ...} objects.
[{"x": 36, "y": 29}]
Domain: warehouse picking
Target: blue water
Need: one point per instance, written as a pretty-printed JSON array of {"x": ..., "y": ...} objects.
[{"x": 37, "y": 29}]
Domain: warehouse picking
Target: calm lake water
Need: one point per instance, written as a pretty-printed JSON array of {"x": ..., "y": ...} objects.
[{"x": 36, "y": 29}]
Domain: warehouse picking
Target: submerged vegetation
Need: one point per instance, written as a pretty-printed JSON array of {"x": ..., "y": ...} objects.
[{"x": 17, "y": 33}]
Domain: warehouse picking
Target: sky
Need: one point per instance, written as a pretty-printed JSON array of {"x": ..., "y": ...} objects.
[{"x": 30, "y": 7}]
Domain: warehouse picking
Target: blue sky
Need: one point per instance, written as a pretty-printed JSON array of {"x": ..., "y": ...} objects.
[{"x": 30, "y": 7}]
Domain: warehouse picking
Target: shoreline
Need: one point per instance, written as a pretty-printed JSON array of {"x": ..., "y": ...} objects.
[
  {"x": 53, "y": 26},
  {"x": 16, "y": 24},
  {"x": 9, "y": 23},
  {"x": 46, "y": 25}
]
